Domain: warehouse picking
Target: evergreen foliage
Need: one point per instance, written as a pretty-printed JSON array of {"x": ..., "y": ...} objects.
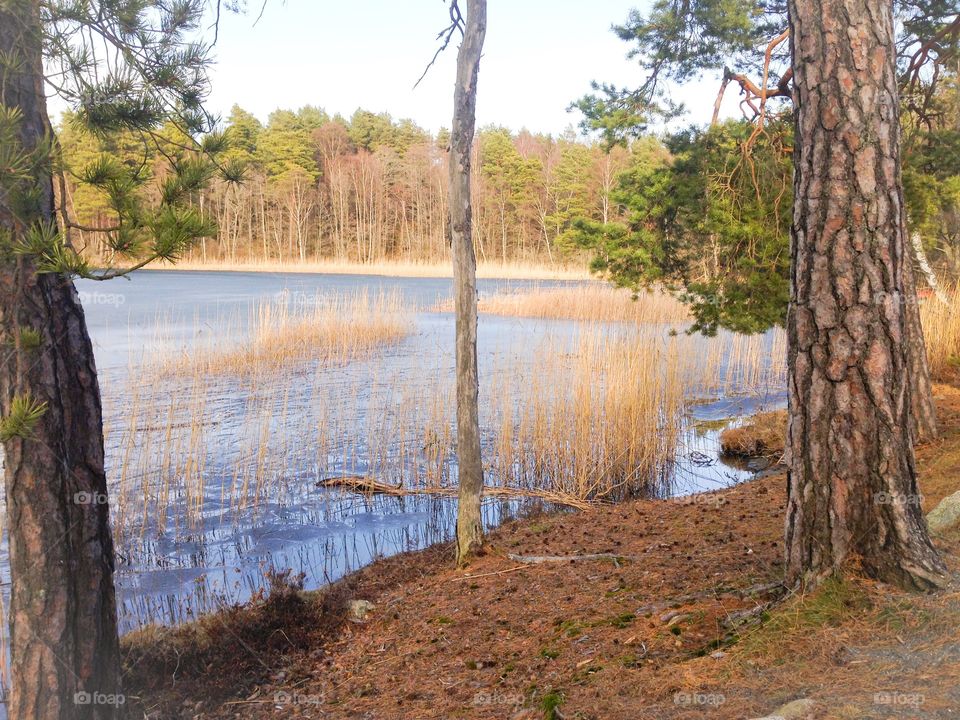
[
  {"x": 137, "y": 143},
  {"x": 712, "y": 225},
  {"x": 25, "y": 413},
  {"x": 687, "y": 228}
]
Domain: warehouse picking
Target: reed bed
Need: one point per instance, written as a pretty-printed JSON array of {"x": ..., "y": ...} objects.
[
  {"x": 590, "y": 302},
  {"x": 329, "y": 329},
  {"x": 603, "y": 424},
  {"x": 392, "y": 268},
  {"x": 941, "y": 331},
  {"x": 735, "y": 365},
  {"x": 597, "y": 415},
  {"x": 760, "y": 435}
]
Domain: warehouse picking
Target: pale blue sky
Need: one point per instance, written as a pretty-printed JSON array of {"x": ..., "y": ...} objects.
[{"x": 539, "y": 56}]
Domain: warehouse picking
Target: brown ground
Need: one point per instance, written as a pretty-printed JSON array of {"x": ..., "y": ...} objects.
[{"x": 635, "y": 637}]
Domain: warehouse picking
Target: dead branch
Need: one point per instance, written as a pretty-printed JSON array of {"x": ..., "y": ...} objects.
[
  {"x": 445, "y": 36},
  {"x": 723, "y": 89},
  {"x": 755, "y": 96},
  {"x": 685, "y": 599},
  {"x": 948, "y": 34},
  {"x": 539, "y": 559},
  {"x": 371, "y": 486},
  {"x": 359, "y": 483},
  {"x": 766, "y": 72},
  {"x": 491, "y": 574}
]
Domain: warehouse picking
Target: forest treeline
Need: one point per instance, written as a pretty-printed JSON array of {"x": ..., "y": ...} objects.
[
  {"x": 369, "y": 188},
  {"x": 673, "y": 210}
]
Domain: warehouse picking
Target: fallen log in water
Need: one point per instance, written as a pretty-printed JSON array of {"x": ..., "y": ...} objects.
[
  {"x": 362, "y": 484},
  {"x": 371, "y": 486}
]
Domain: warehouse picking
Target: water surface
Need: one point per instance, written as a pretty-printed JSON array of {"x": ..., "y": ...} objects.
[{"x": 206, "y": 549}]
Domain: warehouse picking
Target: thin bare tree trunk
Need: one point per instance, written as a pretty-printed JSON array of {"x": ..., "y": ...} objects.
[
  {"x": 470, "y": 467},
  {"x": 63, "y": 638},
  {"x": 925, "y": 268},
  {"x": 923, "y": 411},
  {"x": 852, "y": 487}
]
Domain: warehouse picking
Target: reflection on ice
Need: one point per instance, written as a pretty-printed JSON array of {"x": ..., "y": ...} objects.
[{"x": 213, "y": 480}]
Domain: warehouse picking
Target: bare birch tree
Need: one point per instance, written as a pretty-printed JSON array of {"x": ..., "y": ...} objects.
[{"x": 470, "y": 466}]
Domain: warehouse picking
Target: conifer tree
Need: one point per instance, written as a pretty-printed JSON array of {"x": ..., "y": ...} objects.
[
  {"x": 128, "y": 67},
  {"x": 858, "y": 381}
]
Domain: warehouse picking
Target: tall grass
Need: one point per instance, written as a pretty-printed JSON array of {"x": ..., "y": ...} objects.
[
  {"x": 941, "y": 331},
  {"x": 734, "y": 364},
  {"x": 329, "y": 329},
  {"x": 514, "y": 270},
  {"x": 597, "y": 415},
  {"x": 592, "y": 302},
  {"x": 602, "y": 425}
]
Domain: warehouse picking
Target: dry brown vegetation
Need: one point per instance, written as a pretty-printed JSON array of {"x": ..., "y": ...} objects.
[
  {"x": 512, "y": 270},
  {"x": 761, "y": 435},
  {"x": 594, "y": 302},
  {"x": 281, "y": 333},
  {"x": 941, "y": 330},
  {"x": 602, "y": 425},
  {"x": 595, "y": 418},
  {"x": 671, "y": 624}
]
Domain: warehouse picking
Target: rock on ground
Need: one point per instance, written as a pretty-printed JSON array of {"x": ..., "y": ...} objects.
[
  {"x": 946, "y": 514},
  {"x": 359, "y": 609},
  {"x": 796, "y": 710}
]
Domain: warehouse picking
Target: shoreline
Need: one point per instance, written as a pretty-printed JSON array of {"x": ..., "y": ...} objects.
[
  {"x": 388, "y": 268},
  {"x": 673, "y": 603}
]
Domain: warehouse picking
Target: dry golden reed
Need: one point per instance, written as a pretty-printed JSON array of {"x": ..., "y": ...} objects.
[
  {"x": 584, "y": 418},
  {"x": 941, "y": 331},
  {"x": 761, "y": 435},
  {"x": 602, "y": 425},
  {"x": 590, "y": 302},
  {"x": 591, "y": 416},
  {"x": 514, "y": 270},
  {"x": 330, "y": 329}
]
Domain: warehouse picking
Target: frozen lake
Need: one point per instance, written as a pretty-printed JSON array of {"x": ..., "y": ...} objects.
[{"x": 213, "y": 480}]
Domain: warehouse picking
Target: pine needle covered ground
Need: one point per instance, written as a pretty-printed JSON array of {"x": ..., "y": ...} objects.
[{"x": 670, "y": 622}]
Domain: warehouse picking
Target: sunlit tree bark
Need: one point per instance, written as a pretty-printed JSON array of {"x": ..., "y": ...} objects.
[
  {"x": 470, "y": 467},
  {"x": 63, "y": 627},
  {"x": 852, "y": 481}
]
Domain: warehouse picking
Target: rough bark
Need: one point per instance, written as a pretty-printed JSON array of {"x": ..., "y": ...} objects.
[
  {"x": 470, "y": 467},
  {"x": 63, "y": 637},
  {"x": 923, "y": 412},
  {"x": 852, "y": 490}
]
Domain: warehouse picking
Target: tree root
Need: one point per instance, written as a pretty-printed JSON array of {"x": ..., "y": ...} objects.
[{"x": 685, "y": 599}]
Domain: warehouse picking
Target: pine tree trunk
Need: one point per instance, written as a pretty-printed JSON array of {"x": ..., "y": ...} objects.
[
  {"x": 852, "y": 481},
  {"x": 470, "y": 467},
  {"x": 63, "y": 640}
]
